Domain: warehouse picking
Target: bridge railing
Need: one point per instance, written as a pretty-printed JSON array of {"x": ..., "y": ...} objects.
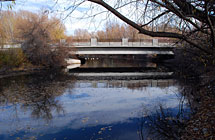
[{"x": 123, "y": 42}]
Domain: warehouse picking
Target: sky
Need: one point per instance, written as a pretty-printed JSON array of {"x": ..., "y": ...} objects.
[{"x": 80, "y": 18}]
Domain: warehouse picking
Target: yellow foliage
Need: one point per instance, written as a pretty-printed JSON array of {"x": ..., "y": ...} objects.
[
  {"x": 13, "y": 24},
  {"x": 58, "y": 30}
]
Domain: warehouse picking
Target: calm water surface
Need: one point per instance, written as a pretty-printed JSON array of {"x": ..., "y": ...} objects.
[{"x": 48, "y": 106}]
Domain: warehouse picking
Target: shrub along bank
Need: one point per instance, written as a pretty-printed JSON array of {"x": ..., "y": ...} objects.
[{"x": 12, "y": 59}]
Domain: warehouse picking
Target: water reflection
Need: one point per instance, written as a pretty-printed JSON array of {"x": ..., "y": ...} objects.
[
  {"x": 50, "y": 106},
  {"x": 35, "y": 93},
  {"x": 130, "y": 84}
]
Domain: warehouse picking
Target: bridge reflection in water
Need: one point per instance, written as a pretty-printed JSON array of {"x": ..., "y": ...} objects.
[{"x": 131, "y": 84}]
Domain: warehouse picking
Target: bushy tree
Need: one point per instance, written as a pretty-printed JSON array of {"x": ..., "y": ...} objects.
[{"x": 39, "y": 33}]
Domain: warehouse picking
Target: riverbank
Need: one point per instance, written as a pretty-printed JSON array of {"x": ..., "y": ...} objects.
[
  {"x": 196, "y": 77},
  {"x": 201, "y": 125},
  {"x": 199, "y": 91},
  {"x": 19, "y": 72}
]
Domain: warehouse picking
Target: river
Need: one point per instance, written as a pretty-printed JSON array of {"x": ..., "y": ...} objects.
[{"x": 50, "y": 106}]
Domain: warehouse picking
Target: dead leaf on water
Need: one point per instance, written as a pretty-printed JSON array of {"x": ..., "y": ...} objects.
[{"x": 103, "y": 129}]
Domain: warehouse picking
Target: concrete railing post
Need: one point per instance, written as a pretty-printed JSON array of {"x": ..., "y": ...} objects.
[
  {"x": 124, "y": 41},
  {"x": 93, "y": 41},
  {"x": 155, "y": 42}
]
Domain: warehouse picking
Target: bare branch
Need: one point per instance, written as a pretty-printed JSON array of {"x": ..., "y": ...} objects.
[
  {"x": 135, "y": 25},
  {"x": 157, "y": 17},
  {"x": 210, "y": 25},
  {"x": 147, "y": 32}
]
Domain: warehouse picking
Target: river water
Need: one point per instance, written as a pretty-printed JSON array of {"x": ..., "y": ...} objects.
[{"x": 50, "y": 106}]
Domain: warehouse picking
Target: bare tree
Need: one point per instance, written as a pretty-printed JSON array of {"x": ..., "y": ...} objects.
[{"x": 9, "y": 6}]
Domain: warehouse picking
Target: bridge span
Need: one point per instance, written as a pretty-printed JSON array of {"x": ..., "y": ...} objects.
[{"x": 93, "y": 47}]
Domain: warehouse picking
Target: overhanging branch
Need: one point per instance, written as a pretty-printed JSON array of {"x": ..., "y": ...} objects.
[
  {"x": 135, "y": 25},
  {"x": 147, "y": 32}
]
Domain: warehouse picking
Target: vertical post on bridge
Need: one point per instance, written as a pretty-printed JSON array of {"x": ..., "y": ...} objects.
[
  {"x": 93, "y": 41},
  {"x": 155, "y": 42},
  {"x": 124, "y": 41}
]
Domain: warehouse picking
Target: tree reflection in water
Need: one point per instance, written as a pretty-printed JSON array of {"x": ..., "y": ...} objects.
[
  {"x": 36, "y": 93},
  {"x": 163, "y": 122},
  {"x": 192, "y": 120}
]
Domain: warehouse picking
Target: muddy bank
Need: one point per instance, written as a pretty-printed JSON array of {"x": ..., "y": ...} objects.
[{"x": 201, "y": 125}]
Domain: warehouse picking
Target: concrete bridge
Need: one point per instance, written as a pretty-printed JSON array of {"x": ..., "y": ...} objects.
[{"x": 94, "y": 47}]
